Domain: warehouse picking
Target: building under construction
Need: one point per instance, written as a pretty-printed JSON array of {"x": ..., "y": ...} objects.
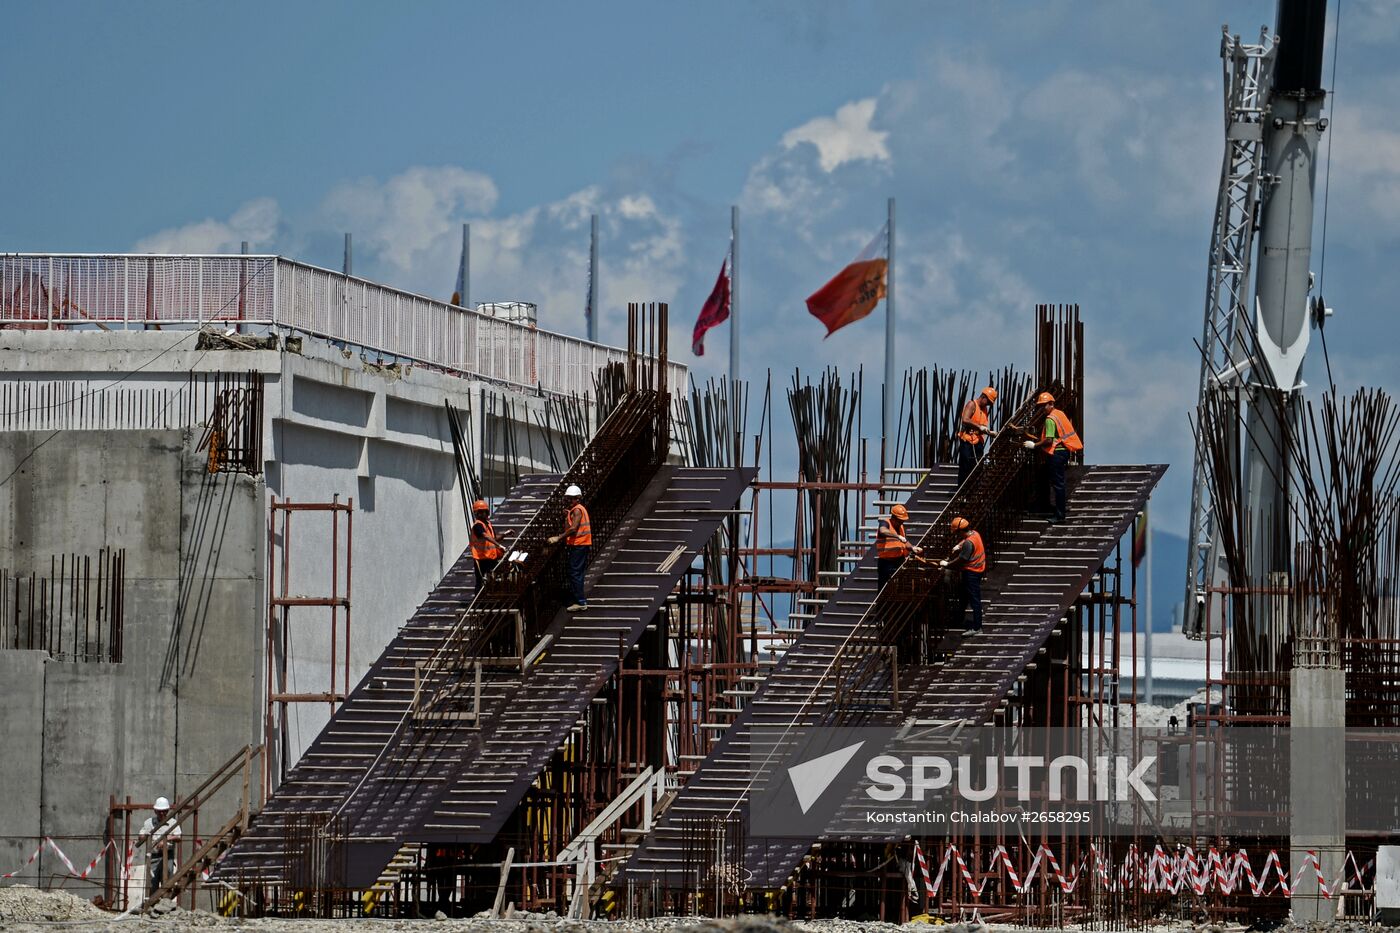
[
  {"x": 496, "y": 749},
  {"x": 234, "y": 570}
]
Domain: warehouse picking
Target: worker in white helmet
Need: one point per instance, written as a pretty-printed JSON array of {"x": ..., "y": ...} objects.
[
  {"x": 159, "y": 834},
  {"x": 578, "y": 541}
]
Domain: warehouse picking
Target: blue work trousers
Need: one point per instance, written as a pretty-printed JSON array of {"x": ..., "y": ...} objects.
[{"x": 577, "y": 555}]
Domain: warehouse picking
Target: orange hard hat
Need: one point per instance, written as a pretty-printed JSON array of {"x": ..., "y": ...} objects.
[
  {"x": 991, "y": 393},
  {"x": 480, "y": 506},
  {"x": 900, "y": 512},
  {"x": 960, "y": 523},
  {"x": 1045, "y": 398}
]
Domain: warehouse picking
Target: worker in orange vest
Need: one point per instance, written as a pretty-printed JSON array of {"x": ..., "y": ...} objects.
[
  {"x": 1056, "y": 443},
  {"x": 891, "y": 544},
  {"x": 578, "y": 541},
  {"x": 486, "y": 550},
  {"x": 970, "y": 556},
  {"x": 976, "y": 428}
]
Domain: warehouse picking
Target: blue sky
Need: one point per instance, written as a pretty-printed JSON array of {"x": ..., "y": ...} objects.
[{"x": 1060, "y": 151}]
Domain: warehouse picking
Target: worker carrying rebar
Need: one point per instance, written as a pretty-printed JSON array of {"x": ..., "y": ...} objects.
[
  {"x": 970, "y": 557},
  {"x": 159, "y": 834},
  {"x": 976, "y": 428},
  {"x": 486, "y": 550},
  {"x": 578, "y": 540},
  {"x": 891, "y": 544},
  {"x": 1056, "y": 443}
]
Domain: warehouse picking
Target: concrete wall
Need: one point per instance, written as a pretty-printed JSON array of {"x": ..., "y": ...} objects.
[
  {"x": 22, "y": 684},
  {"x": 176, "y": 706},
  {"x": 369, "y": 435},
  {"x": 189, "y": 691}
]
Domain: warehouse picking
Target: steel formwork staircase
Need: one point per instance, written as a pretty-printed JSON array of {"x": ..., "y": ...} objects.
[
  {"x": 424, "y": 714},
  {"x": 663, "y": 533},
  {"x": 342, "y": 754},
  {"x": 796, "y": 691},
  {"x": 1036, "y": 575},
  {"x": 1032, "y": 583}
]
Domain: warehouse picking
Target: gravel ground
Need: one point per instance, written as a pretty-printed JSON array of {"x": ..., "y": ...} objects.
[{"x": 23, "y": 908}]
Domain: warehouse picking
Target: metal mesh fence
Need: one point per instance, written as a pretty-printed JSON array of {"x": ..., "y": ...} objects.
[{"x": 42, "y": 292}]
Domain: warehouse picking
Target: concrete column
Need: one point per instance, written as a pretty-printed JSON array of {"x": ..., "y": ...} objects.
[{"x": 1317, "y": 787}]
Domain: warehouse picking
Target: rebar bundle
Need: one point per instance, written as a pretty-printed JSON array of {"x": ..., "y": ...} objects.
[
  {"x": 930, "y": 410},
  {"x": 501, "y": 439},
  {"x": 565, "y": 428},
  {"x": 609, "y": 386},
  {"x": 1059, "y": 358},
  {"x": 714, "y": 429},
  {"x": 468, "y": 482},
  {"x": 824, "y": 419},
  {"x": 1336, "y": 604}
]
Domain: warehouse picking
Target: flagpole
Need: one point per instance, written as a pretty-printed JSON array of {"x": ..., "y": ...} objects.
[
  {"x": 733, "y": 296},
  {"x": 1148, "y": 693},
  {"x": 348, "y": 265},
  {"x": 887, "y": 396},
  {"x": 466, "y": 270},
  {"x": 593, "y": 280}
]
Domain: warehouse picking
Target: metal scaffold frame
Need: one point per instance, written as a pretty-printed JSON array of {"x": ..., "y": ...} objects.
[
  {"x": 747, "y": 599},
  {"x": 281, "y": 600}
]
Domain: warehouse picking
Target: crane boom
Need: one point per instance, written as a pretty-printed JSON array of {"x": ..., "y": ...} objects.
[{"x": 1273, "y": 124}]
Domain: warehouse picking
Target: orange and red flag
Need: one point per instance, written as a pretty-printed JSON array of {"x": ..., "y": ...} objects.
[{"x": 855, "y": 290}]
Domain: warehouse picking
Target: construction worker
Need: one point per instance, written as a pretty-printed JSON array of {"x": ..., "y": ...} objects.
[
  {"x": 578, "y": 540},
  {"x": 158, "y": 834},
  {"x": 486, "y": 550},
  {"x": 970, "y": 556},
  {"x": 891, "y": 546},
  {"x": 975, "y": 429},
  {"x": 1057, "y": 441}
]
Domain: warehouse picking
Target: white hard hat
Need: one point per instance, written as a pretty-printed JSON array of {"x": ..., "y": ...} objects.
[
  {"x": 573, "y": 491},
  {"x": 162, "y": 803}
]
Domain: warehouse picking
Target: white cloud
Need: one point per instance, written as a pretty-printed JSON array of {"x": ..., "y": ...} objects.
[
  {"x": 407, "y": 233},
  {"x": 404, "y": 219},
  {"x": 953, "y": 118},
  {"x": 845, "y": 137},
  {"x": 256, "y": 221},
  {"x": 781, "y": 183},
  {"x": 1365, "y": 174}
]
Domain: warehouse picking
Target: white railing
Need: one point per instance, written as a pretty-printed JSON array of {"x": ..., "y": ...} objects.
[
  {"x": 107, "y": 292},
  {"x": 648, "y": 788}
]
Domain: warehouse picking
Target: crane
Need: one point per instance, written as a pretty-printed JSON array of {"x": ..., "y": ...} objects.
[{"x": 1273, "y": 124}]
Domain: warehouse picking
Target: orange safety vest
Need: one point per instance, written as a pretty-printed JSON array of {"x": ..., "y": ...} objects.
[
  {"x": 888, "y": 548},
  {"x": 974, "y": 413},
  {"x": 977, "y": 563},
  {"x": 484, "y": 549},
  {"x": 584, "y": 534},
  {"x": 1065, "y": 435}
]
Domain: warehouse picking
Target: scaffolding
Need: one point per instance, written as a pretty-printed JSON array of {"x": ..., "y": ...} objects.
[{"x": 282, "y": 599}]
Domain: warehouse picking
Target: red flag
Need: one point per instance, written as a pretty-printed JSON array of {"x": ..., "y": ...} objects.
[
  {"x": 715, "y": 312},
  {"x": 854, "y": 291}
]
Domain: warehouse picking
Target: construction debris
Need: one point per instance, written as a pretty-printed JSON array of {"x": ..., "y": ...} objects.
[{"x": 23, "y": 904}]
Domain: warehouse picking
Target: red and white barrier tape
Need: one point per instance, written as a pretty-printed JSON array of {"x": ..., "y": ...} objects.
[
  {"x": 1161, "y": 873},
  {"x": 923, "y": 868},
  {"x": 67, "y": 863},
  {"x": 30, "y": 861}
]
